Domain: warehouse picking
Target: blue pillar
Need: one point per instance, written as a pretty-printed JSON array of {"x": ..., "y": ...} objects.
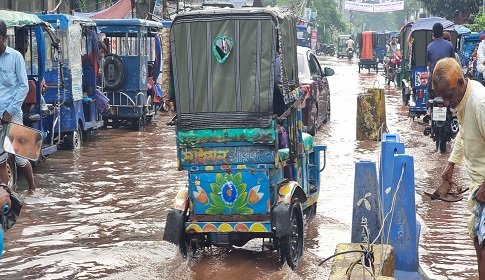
[
  {"x": 1, "y": 242},
  {"x": 390, "y": 146},
  {"x": 366, "y": 202},
  {"x": 403, "y": 230}
]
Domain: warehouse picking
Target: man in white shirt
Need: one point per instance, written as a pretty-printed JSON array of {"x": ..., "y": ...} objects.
[
  {"x": 481, "y": 55},
  {"x": 467, "y": 97},
  {"x": 350, "y": 43}
]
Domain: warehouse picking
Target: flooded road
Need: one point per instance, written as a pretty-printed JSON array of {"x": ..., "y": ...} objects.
[{"x": 100, "y": 212}]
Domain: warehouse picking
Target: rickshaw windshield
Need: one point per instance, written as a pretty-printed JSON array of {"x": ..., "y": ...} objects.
[{"x": 126, "y": 44}]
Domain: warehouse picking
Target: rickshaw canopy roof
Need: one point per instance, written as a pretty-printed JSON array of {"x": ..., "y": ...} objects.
[
  {"x": 65, "y": 19},
  {"x": 427, "y": 24},
  {"x": 19, "y": 19},
  {"x": 461, "y": 30}
]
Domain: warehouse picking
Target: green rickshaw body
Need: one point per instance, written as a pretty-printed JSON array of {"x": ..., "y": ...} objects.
[
  {"x": 228, "y": 106},
  {"x": 342, "y": 45}
]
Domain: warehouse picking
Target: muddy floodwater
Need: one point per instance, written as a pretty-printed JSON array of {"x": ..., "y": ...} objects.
[{"x": 100, "y": 212}]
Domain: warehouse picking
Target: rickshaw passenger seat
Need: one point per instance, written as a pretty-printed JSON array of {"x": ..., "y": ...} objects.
[
  {"x": 31, "y": 99},
  {"x": 89, "y": 79}
]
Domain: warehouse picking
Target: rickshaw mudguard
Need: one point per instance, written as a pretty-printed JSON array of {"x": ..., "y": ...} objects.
[{"x": 281, "y": 211}]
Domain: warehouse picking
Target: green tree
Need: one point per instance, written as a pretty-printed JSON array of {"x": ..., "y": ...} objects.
[
  {"x": 452, "y": 9},
  {"x": 478, "y": 22}
]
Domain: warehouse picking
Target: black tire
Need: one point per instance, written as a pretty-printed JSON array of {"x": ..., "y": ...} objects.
[
  {"x": 319, "y": 52},
  {"x": 73, "y": 140},
  {"x": 332, "y": 52},
  {"x": 443, "y": 141},
  {"x": 139, "y": 123},
  {"x": 114, "y": 72},
  {"x": 12, "y": 172},
  {"x": 291, "y": 246},
  {"x": 312, "y": 125},
  {"x": 328, "y": 113}
]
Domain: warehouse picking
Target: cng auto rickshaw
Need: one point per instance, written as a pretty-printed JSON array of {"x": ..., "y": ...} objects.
[
  {"x": 40, "y": 44},
  {"x": 79, "y": 108},
  {"x": 381, "y": 49},
  {"x": 342, "y": 45},
  {"x": 133, "y": 59},
  {"x": 252, "y": 171}
]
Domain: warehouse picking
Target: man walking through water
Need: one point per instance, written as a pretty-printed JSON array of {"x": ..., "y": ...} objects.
[
  {"x": 467, "y": 97},
  {"x": 13, "y": 90},
  {"x": 436, "y": 50}
]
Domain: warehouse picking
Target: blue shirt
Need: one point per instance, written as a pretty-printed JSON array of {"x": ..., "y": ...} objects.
[
  {"x": 438, "y": 49},
  {"x": 13, "y": 82}
]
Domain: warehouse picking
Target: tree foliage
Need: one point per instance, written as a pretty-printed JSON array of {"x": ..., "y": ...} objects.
[
  {"x": 452, "y": 9},
  {"x": 478, "y": 22},
  {"x": 329, "y": 19}
]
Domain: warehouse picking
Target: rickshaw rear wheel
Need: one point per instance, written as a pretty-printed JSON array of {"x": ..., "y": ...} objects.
[
  {"x": 291, "y": 246},
  {"x": 138, "y": 123},
  {"x": 12, "y": 172},
  {"x": 73, "y": 140}
]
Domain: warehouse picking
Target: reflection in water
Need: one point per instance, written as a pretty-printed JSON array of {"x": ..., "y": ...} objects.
[{"x": 100, "y": 212}]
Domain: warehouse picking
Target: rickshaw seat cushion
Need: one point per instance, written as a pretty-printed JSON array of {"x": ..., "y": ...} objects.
[
  {"x": 307, "y": 141},
  {"x": 284, "y": 154},
  {"x": 31, "y": 97}
]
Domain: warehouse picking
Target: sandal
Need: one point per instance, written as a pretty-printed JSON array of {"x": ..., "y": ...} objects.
[{"x": 445, "y": 192}]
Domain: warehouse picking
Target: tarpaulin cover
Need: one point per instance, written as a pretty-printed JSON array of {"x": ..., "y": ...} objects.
[
  {"x": 13, "y": 18},
  {"x": 427, "y": 24},
  {"x": 118, "y": 10},
  {"x": 367, "y": 50}
]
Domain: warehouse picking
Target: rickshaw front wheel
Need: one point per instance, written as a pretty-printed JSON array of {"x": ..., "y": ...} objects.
[{"x": 291, "y": 245}]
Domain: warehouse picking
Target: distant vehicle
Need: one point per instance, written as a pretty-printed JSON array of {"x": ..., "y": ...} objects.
[
  {"x": 342, "y": 45},
  {"x": 367, "y": 42},
  {"x": 316, "y": 106},
  {"x": 302, "y": 36}
]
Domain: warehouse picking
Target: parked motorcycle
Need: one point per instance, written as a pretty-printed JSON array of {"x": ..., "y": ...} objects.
[
  {"x": 350, "y": 53},
  {"x": 443, "y": 124},
  {"x": 325, "y": 49}
]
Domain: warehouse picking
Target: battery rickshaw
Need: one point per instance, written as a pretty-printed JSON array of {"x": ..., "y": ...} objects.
[
  {"x": 368, "y": 44},
  {"x": 252, "y": 172},
  {"x": 342, "y": 45},
  {"x": 133, "y": 59},
  {"x": 79, "y": 110}
]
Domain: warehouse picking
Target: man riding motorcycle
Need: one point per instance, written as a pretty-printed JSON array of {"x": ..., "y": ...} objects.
[
  {"x": 392, "y": 48},
  {"x": 350, "y": 44}
]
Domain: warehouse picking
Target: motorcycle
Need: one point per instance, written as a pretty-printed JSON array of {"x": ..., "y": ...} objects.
[
  {"x": 443, "y": 124},
  {"x": 325, "y": 49},
  {"x": 350, "y": 53},
  {"x": 393, "y": 68}
]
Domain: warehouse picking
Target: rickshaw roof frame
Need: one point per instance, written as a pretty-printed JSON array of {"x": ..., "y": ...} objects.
[
  {"x": 128, "y": 22},
  {"x": 427, "y": 24}
]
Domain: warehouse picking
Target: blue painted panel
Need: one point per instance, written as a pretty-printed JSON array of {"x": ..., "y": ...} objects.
[
  {"x": 237, "y": 192},
  {"x": 366, "y": 211},
  {"x": 1, "y": 242},
  {"x": 227, "y": 155},
  {"x": 390, "y": 146},
  {"x": 419, "y": 81},
  {"x": 403, "y": 230}
]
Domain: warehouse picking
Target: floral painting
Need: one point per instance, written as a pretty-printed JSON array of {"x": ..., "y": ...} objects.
[{"x": 228, "y": 195}]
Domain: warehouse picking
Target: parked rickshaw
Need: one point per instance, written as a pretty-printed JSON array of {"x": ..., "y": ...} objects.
[
  {"x": 421, "y": 36},
  {"x": 134, "y": 57},
  {"x": 367, "y": 44},
  {"x": 40, "y": 44},
  {"x": 243, "y": 183},
  {"x": 381, "y": 49},
  {"x": 342, "y": 45},
  {"x": 79, "y": 108}
]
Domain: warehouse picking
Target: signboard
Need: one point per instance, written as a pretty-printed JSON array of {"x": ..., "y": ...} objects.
[{"x": 374, "y": 8}]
